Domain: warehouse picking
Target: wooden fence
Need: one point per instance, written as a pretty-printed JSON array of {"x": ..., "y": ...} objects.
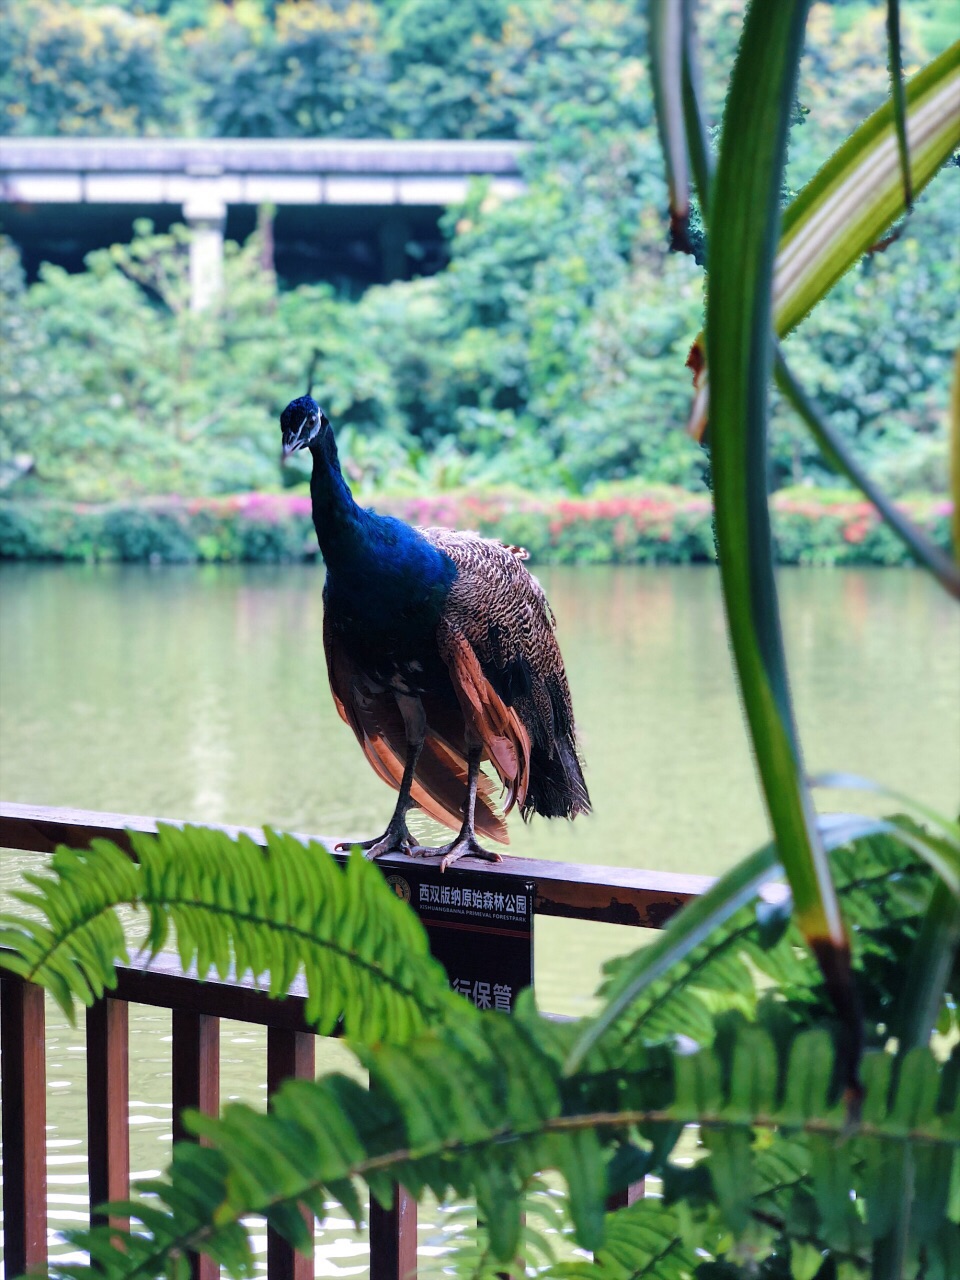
[{"x": 615, "y": 895}]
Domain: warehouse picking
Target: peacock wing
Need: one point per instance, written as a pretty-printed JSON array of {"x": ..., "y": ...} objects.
[
  {"x": 504, "y": 736},
  {"x": 497, "y": 637},
  {"x": 440, "y": 780}
]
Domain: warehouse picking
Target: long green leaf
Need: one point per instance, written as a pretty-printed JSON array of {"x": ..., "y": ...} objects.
[
  {"x": 835, "y": 450},
  {"x": 666, "y": 18},
  {"x": 853, "y": 199},
  {"x": 698, "y": 142},
  {"x": 898, "y": 98},
  {"x": 674, "y": 75},
  {"x": 858, "y": 193},
  {"x": 744, "y": 220},
  {"x": 834, "y": 781}
]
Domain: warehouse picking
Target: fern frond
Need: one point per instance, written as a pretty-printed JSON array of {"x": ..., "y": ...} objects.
[
  {"x": 643, "y": 1242},
  {"x": 235, "y": 907},
  {"x": 475, "y": 1107},
  {"x": 546, "y": 1226},
  {"x": 881, "y": 885}
]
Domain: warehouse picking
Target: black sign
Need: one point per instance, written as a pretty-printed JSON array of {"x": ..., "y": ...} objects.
[{"x": 480, "y": 928}]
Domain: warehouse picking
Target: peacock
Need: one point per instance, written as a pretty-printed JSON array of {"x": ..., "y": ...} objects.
[{"x": 441, "y": 654}]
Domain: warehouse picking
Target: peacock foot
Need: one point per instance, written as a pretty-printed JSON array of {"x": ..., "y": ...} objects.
[
  {"x": 396, "y": 839},
  {"x": 466, "y": 845}
]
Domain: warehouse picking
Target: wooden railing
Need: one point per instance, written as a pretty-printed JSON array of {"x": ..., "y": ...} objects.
[{"x": 615, "y": 895}]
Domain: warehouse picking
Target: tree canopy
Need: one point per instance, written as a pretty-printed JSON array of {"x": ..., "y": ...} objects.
[{"x": 549, "y": 352}]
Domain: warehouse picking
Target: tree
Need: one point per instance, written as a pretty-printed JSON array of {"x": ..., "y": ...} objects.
[
  {"x": 530, "y": 356},
  {"x": 71, "y": 70},
  {"x": 311, "y": 70}
]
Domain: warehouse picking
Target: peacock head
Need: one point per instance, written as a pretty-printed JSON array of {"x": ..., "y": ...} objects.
[{"x": 301, "y": 422}]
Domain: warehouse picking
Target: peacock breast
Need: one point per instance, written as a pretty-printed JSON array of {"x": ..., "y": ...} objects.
[{"x": 385, "y": 616}]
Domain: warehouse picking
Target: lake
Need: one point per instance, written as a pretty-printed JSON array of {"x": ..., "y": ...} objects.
[{"x": 201, "y": 693}]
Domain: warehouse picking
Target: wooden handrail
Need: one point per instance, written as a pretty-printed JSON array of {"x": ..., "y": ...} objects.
[
  {"x": 617, "y": 895},
  {"x": 578, "y": 891}
]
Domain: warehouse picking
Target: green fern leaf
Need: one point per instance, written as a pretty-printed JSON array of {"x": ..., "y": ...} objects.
[
  {"x": 439, "y": 1113},
  {"x": 881, "y": 884},
  {"x": 642, "y": 1242},
  {"x": 832, "y": 1179},
  {"x": 235, "y": 908},
  {"x": 731, "y": 1170}
]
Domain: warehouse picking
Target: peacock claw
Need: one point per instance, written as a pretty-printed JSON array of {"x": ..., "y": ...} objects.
[
  {"x": 396, "y": 839},
  {"x": 466, "y": 845}
]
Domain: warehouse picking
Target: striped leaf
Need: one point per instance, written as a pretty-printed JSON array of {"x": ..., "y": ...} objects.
[
  {"x": 853, "y": 200},
  {"x": 744, "y": 220}
]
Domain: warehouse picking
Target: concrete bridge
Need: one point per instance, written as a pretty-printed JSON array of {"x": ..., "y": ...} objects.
[{"x": 208, "y": 177}]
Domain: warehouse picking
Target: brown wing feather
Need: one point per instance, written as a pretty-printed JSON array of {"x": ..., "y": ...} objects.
[
  {"x": 497, "y": 638},
  {"x": 440, "y": 780},
  {"x": 503, "y": 734}
]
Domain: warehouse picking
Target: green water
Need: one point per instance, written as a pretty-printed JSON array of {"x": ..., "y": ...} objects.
[{"x": 201, "y": 693}]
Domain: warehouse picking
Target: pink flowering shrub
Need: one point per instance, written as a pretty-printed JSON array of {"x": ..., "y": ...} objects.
[{"x": 663, "y": 526}]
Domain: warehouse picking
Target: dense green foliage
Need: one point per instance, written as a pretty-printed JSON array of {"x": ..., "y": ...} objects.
[
  {"x": 784, "y": 1175},
  {"x": 349, "y": 68},
  {"x": 550, "y": 352}
]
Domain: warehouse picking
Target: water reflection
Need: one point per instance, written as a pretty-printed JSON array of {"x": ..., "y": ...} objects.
[{"x": 201, "y": 693}]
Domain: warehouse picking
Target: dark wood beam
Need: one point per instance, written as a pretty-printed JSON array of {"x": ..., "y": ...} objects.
[{"x": 614, "y": 895}]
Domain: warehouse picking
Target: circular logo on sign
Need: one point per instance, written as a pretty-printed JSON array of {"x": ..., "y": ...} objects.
[{"x": 399, "y": 887}]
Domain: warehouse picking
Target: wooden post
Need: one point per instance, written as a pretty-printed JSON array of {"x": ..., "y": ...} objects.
[
  {"x": 24, "y": 1085},
  {"x": 108, "y": 1103},
  {"x": 290, "y": 1055},
  {"x": 196, "y": 1084},
  {"x": 393, "y": 1239}
]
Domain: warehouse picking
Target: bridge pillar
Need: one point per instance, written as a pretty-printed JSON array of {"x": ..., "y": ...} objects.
[{"x": 206, "y": 216}]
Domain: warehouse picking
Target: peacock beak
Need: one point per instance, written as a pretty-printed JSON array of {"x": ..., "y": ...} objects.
[{"x": 295, "y": 440}]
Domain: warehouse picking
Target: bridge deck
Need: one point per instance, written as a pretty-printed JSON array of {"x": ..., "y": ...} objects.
[{"x": 251, "y": 170}]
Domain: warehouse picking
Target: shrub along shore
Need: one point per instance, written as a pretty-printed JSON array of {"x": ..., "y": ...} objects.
[{"x": 656, "y": 526}]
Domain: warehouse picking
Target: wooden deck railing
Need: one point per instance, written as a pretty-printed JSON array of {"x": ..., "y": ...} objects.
[{"x": 613, "y": 894}]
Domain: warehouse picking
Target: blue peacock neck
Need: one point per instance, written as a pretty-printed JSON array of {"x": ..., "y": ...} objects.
[
  {"x": 336, "y": 517},
  {"x": 376, "y": 565}
]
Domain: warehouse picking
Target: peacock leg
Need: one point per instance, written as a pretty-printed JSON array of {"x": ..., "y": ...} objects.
[
  {"x": 466, "y": 843},
  {"x": 397, "y": 837}
]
